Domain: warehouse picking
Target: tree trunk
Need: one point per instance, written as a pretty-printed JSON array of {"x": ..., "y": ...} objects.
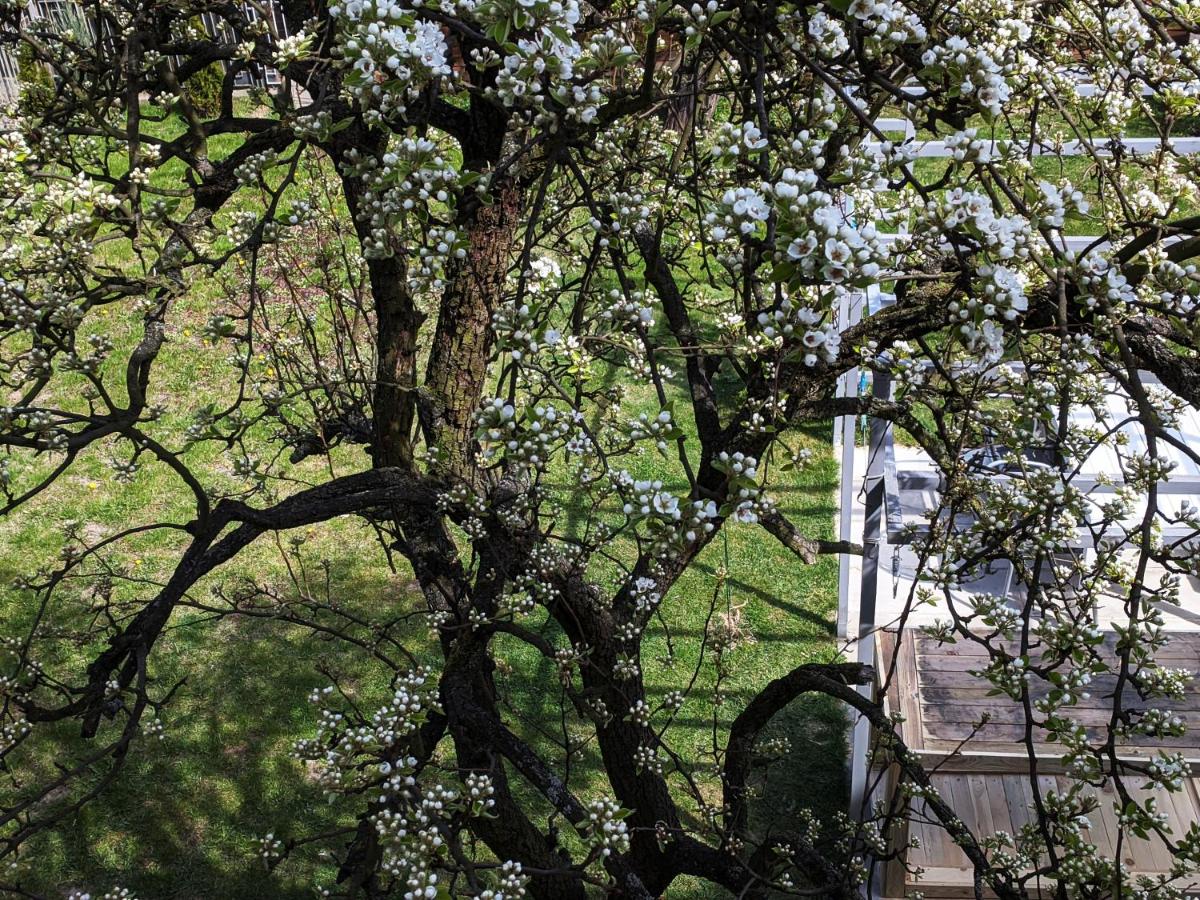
[
  {"x": 398, "y": 322},
  {"x": 458, "y": 361}
]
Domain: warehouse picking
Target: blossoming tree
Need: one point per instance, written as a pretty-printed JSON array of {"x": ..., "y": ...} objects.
[{"x": 553, "y": 206}]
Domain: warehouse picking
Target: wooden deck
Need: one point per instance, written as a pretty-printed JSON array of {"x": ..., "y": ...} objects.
[
  {"x": 945, "y": 705},
  {"x": 982, "y": 769},
  {"x": 991, "y": 803}
]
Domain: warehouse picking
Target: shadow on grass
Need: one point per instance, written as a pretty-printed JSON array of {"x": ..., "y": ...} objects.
[{"x": 184, "y": 818}]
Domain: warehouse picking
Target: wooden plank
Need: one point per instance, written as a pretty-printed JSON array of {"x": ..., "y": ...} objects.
[
  {"x": 997, "y": 804},
  {"x": 977, "y": 692},
  {"x": 885, "y": 651},
  {"x": 957, "y": 793},
  {"x": 908, "y": 684},
  {"x": 1182, "y": 644},
  {"x": 964, "y": 713},
  {"x": 1001, "y": 757},
  {"x": 937, "y": 677},
  {"x": 981, "y": 804},
  {"x": 1018, "y": 798},
  {"x": 998, "y": 732},
  {"x": 894, "y": 872},
  {"x": 940, "y": 883},
  {"x": 1108, "y": 797},
  {"x": 971, "y": 665},
  {"x": 1151, "y": 848},
  {"x": 994, "y": 763},
  {"x": 1180, "y": 809},
  {"x": 937, "y": 850},
  {"x": 1104, "y": 829}
]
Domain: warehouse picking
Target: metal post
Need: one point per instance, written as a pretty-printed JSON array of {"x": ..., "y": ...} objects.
[
  {"x": 881, "y": 389},
  {"x": 845, "y": 428}
]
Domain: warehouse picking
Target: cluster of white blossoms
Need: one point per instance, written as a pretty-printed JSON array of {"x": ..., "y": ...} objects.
[
  {"x": 645, "y": 758},
  {"x": 314, "y": 126},
  {"x": 78, "y": 199},
  {"x": 640, "y": 712},
  {"x": 659, "y": 429},
  {"x": 538, "y": 71},
  {"x": 401, "y": 186},
  {"x": 292, "y": 48},
  {"x": 1176, "y": 286},
  {"x": 606, "y": 830},
  {"x": 1155, "y": 723},
  {"x": 242, "y": 226},
  {"x": 732, "y": 140},
  {"x": 746, "y": 496},
  {"x": 1167, "y": 770},
  {"x": 966, "y": 146},
  {"x": 741, "y": 211},
  {"x": 646, "y": 595},
  {"x": 527, "y": 440},
  {"x": 631, "y": 308},
  {"x": 816, "y": 235},
  {"x": 821, "y": 340},
  {"x": 887, "y": 24},
  {"x": 998, "y": 296},
  {"x": 1058, "y": 201},
  {"x": 255, "y": 164},
  {"x": 667, "y": 519},
  {"x": 352, "y": 753},
  {"x": 37, "y": 423},
  {"x": 384, "y": 42},
  {"x": 516, "y": 333},
  {"x": 1004, "y": 237},
  {"x": 412, "y": 840},
  {"x": 510, "y": 883},
  {"x": 543, "y": 274},
  {"x": 270, "y": 848},
  {"x": 1123, "y": 23},
  {"x": 356, "y": 755},
  {"x": 514, "y": 323},
  {"x": 26, "y": 313},
  {"x": 626, "y": 668},
  {"x": 13, "y": 732},
  {"x": 536, "y": 585},
  {"x": 703, "y": 17},
  {"x": 649, "y": 499},
  {"x": 827, "y": 35},
  {"x": 976, "y": 70},
  {"x": 1102, "y": 284},
  {"x": 581, "y": 102},
  {"x": 629, "y": 208}
]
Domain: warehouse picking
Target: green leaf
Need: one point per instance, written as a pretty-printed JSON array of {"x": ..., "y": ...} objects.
[
  {"x": 499, "y": 31},
  {"x": 783, "y": 271}
]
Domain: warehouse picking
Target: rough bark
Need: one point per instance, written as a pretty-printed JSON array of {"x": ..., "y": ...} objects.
[
  {"x": 398, "y": 322},
  {"x": 462, "y": 346}
]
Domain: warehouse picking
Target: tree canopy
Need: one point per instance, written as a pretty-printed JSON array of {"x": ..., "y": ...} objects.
[{"x": 473, "y": 263}]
